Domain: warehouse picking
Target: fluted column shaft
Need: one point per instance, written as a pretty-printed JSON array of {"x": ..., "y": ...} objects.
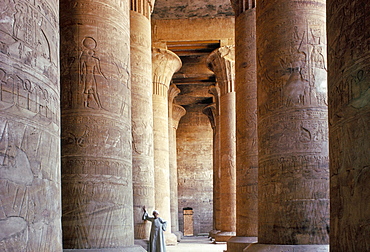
[
  {"x": 165, "y": 64},
  {"x": 96, "y": 125},
  {"x": 292, "y": 123},
  {"x": 142, "y": 114},
  {"x": 349, "y": 119},
  {"x": 221, "y": 62},
  {"x": 175, "y": 114},
  {"x": 30, "y": 215}
]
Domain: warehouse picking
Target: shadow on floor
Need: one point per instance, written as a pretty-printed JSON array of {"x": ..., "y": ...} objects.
[{"x": 197, "y": 244}]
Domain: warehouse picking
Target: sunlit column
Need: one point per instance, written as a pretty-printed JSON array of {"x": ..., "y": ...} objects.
[
  {"x": 221, "y": 62},
  {"x": 165, "y": 64}
]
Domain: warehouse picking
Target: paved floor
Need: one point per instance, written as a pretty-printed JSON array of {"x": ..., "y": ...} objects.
[{"x": 197, "y": 244}]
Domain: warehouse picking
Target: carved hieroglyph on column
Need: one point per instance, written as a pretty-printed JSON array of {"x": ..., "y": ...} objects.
[
  {"x": 96, "y": 125},
  {"x": 142, "y": 114},
  {"x": 165, "y": 64},
  {"x": 221, "y": 62},
  {"x": 293, "y": 176},
  {"x": 29, "y": 126},
  {"x": 212, "y": 111},
  {"x": 246, "y": 126},
  {"x": 349, "y": 117},
  {"x": 175, "y": 112}
]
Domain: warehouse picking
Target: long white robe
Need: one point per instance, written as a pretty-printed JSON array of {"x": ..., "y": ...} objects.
[{"x": 156, "y": 239}]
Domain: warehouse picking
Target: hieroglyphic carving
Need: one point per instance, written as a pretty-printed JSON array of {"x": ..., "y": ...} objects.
[
  {"x": 299, "y": 76},
  {"x": 349, "y": 113},
  {"x": 93, "y": 211},
  {"x": 195, "y": 174},
  {"x": 292, "y": 123},
  {"x": 96, "y": 119},
  {"x": 29, "y": 36},
  {"x": 89, "y": 68},
  {"x": 29, "y": 126},
  {"x": 222, "y": 61},
  {"x": 141, "y": 120},
  {"x": 29, "y": 175},
  {"x": 246, "y": 123}
]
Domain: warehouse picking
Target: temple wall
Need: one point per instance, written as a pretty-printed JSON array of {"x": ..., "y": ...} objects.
[{"x": 194, "y": 162}]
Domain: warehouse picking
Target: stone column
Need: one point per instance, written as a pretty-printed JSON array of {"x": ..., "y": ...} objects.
[
  {"x": 175, "y": 113},
  {"x": 212, "y": 111},
  {"x": 221, "y": 62},
  {"x": 349, "y": 117},
  {"x": 165, "y": 64},
  {"x": 293, "y": 176},
  {"x": 96, "y": 125},
  {"x": 142, "y": 114},
  {"x": 30, "y": 216},
  {"x": 246, "y": 126}
]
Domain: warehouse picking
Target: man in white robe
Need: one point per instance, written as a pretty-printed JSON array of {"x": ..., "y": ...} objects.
[{"x": 156, "y": 239}]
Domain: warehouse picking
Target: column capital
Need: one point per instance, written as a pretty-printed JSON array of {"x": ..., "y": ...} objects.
[
  {"x": 222, "y": 62},
  {"x": 165, "y": 64},
  {"x": 173, "y": 91},
  {"x": 144, "y": 7},
  {"x": 211, "y": 112},
  {"x": 241, "y": 6},
  {"x": 177, "y": 113}
]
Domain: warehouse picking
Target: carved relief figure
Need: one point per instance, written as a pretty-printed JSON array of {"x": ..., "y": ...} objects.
[
  {"x": 89, "y": 68},
  {"x": 18, "y": 20},
  {"x": 297, "y": 86}
]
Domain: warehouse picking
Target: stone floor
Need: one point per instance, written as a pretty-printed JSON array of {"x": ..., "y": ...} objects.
[{"x": 197, "y": 244}]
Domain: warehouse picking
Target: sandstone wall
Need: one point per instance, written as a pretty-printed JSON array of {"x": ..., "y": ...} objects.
[{"x": 194, "y": 162}]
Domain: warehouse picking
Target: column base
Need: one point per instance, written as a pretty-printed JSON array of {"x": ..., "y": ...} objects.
[
  {"x": 124, "y": 249},
  {"x": 255, "y": 247},
  {"x": 212, "y": 233},
  {"x": 224, "y": 236},
  {"x": 238, "y": 243},
  {"x": 141, "y": 242},
  {"x": 179, "y": 235},
  {"x": 170, "y": 239}
]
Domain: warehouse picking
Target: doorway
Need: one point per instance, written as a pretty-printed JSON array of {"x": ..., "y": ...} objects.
[{"x": 188, "y": 221}]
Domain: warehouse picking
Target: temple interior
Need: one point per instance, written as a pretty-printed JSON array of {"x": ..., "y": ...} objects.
[{"x": 246, "y": 121}]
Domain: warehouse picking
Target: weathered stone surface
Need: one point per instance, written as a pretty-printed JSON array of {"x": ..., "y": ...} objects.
[
  {"x": 349, "y": 117},
  {"x": 212, "y": 29},
  {"x": 96, "y": 125},
  {"x": 286, "y": 248},
  {"x": 175, "y": 112},
  {"x": 125, "y": 249},
  {"x": 165, "y": 64},
  {"x": 221, "y": 62},
  {"x": 293, "y": 164},
  {"x": 194, "y": 162},
  {"x": 29, "y": 126},
  {"x": 246, "y": 123},
  {"x": 213, "y": 113},
  {"x": 141, "y": 116},
  {"x": 179, "y": 9}
]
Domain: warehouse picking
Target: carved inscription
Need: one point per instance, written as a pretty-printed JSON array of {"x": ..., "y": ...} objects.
[
  {"x": 349, "y": 100},
  {"x": 298, "y": 78},
  {"x": 96, "y": 119},
  {"x": 29, "y": 126},
  {"x": 292, "y": 123}
]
